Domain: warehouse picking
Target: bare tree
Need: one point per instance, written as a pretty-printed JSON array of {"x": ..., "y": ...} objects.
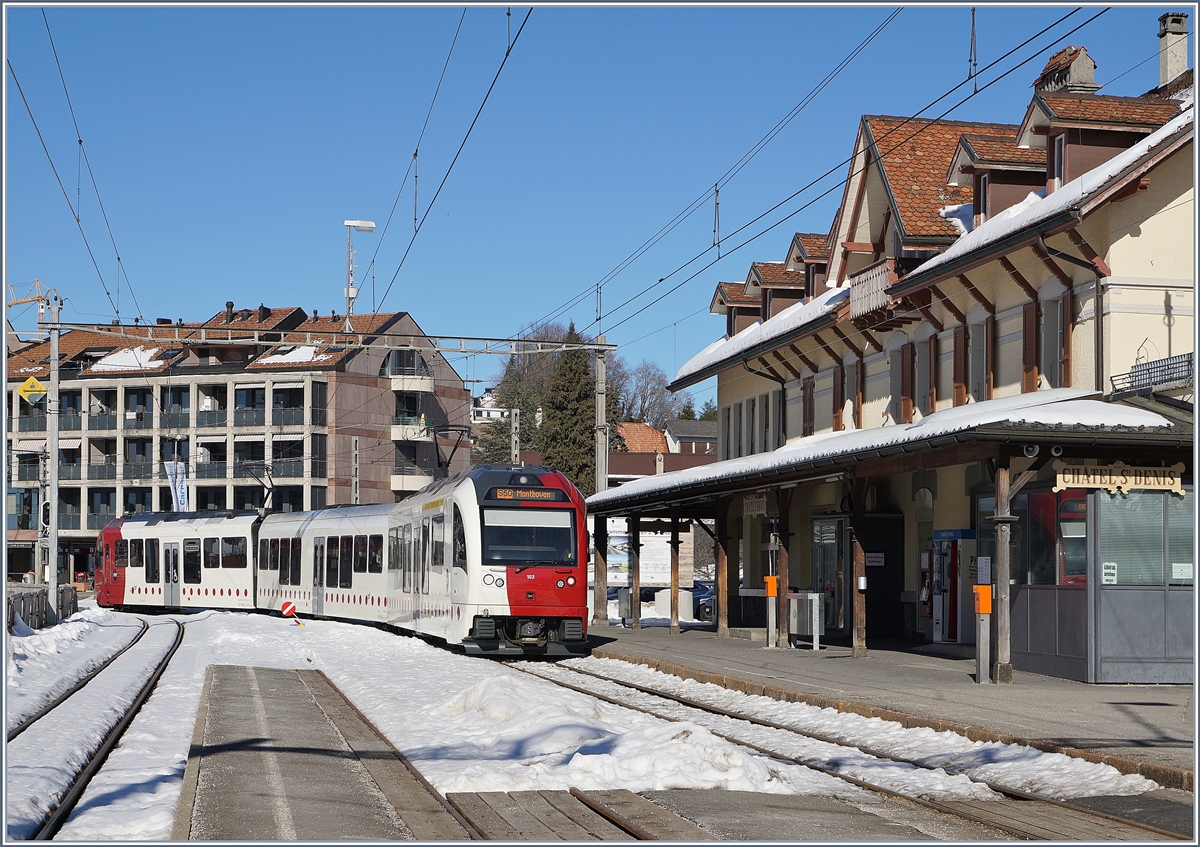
[{"x": 646, "y": 397}]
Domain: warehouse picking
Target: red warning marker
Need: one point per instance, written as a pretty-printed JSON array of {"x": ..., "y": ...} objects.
[{"x": 289, "y": 610}]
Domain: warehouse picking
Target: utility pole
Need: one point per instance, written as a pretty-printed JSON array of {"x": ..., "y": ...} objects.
[
  {"x": 514, "y": 417},
  {"x": 601, "y": 423},
  {"x": 52, "y": 421}
]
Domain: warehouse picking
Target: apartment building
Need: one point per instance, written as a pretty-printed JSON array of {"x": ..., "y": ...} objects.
[
  {"x": 266, "y": 407},
  {"x": 993, "y": 341}
]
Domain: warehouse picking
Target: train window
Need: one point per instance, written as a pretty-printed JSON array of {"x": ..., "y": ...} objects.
[
  {"x": 296, "y": 547},
  {"x": 345, "y": 566},
  {"x": 318, "y": 562},
  {"x": 406, "y": 559},
  {"x": 394, "y": 548},
  {"x": 331, "y": 562},
  {"x": 122, "y": 553},
  {"x": 360, "y": 554},
  {"x": 437, "y": 553},
  {"x": 135, "y": 553},
  {"x": 460, "y": 540},
  {"x": 417, "y": 559},
  {"x": 375, "y": 554},
  {"x": 153, "y": 574},
  {"x": 536, "y": 536},
  {"x": 191, "y": 561},
  {"x": 212, "y": 552},
  {"x": 263, "y": 555},
  {"x": 273, "y": 561},
  {"x": 233, "y": 552},
  {"x": 285, "y": 567},
  {"x": 424, "y": 557}
]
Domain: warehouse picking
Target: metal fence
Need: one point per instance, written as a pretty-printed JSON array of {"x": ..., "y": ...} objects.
[
  {"x": 32, "y": 604},
  {"x": 1171, "y": 372}
]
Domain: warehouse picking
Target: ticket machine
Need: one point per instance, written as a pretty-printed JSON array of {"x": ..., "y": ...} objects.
[{"x": 954, "y": 573}]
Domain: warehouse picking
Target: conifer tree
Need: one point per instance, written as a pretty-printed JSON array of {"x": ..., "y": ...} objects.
[{"x": 567, "y": 434}]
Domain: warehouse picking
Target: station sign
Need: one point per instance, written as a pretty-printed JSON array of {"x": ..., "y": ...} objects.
[
  {"x": 1119, "y": 477},
  {"x": 32, "y": 390},
  {"x": 754, "y": 505}
]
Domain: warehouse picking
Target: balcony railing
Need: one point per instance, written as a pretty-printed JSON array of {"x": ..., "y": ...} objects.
[
  {"x": 288, "y": 468},
  {"x": 162, "y": 471},
  {"x": 404, "y": 468},
  {"x": 70, "y": 421},
  {"x": 139, "y": 420},
  {"x": 107, "y": 470},
  {"x": 287, "y": 417},
  {"x": 1162, "y": 374},
  {"x": 211, "y": 417},
  {"x": 68, "y": 520},
  {"x": 27, "y": 472},
  {"x": 249, "y": 417},
  {"x": 98, "y": 521},
  {"x": 31, "y": 423},
  {"x": 70, "y": 470},
  {"x": 176, "y": 420},
  {"x": 210, "y": 470},
  {"x": 408, "y": 420},
  {"x": 248, "y": 469},
  {"x": 139, "y": 470},
  {"x": 102, "y": 421},
  {"x": 868, "y": 287}
]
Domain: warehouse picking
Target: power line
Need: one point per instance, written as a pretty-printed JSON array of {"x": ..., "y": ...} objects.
[{"x": 429, "y": 208}]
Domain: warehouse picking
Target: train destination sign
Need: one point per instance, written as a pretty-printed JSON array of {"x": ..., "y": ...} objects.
[
  {"x": 1119, "y": 477},
  {"x": 547, "y": 495}
]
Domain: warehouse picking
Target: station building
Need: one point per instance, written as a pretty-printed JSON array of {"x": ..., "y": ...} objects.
[
  {"x": 994, "y": 340},
  {"x": 247, "y": 401}
]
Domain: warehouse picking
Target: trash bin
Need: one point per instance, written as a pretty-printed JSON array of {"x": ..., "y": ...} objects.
[
  {"x": 624, "y": 603},
  {"x": 805, "y": 620}
]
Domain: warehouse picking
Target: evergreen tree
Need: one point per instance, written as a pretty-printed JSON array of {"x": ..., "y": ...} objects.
[
  {"x": 708, "y": 412},
  {"x": 494, "y": 446},
  {"x": 567, "y": 434},
  {"x": 687, "y": 412}
]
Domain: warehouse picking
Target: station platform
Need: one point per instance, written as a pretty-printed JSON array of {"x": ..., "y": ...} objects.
[{"x": 1146, "y": 729}]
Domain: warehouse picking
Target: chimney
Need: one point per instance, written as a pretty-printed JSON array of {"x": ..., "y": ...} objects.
[
  {"x": 228, "y": 311},
  {"x": 263, "y": 313},
  {"x": 1172, "y": 46}
]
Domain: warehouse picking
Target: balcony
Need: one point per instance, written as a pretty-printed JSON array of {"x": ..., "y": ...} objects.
[
  {"x": 410, "y": 428},
  {"x": 1158, "y": 375},
  {"x": 868, "y": 287},
  {"x": 31, "y": 423},
  {"x": 289, "y": 468},
  {"x": 139, "y": 470},
  {"x": 106, "y": 470},
  {"x": 417, "y": 383},
  {"x": 176, "y": 420},
  {"x": 70, "y": 421},
  {"x": 213, "y": 417},
  {"x": 99, "y": 521},
  {"x": 210, "y": 470},
  {"x": 249, "y": 469},
  {"x": 28, "y": 472},
  {"x": 70, "y": 470},
  {"x": 162, "y": 471},
  {"x": 139, "y": 420},
  {"x": 101, "y": 421},
  {"x": 409, "y": 477},
  {"x": 249, "y": 417},
  {"x": 68, "y": 520},
  {"x": 287, "y": 417}
]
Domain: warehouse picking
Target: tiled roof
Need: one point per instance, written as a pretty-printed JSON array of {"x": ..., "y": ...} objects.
[
  {"x": 915, "y": 157},
  {"x": 734, "y": 293},
  {"x": 815, "y": 245},
  {"x": 249, "y": 318},
  {"x": 35, "y": 361},
  {"x": 1132, "y": 111},
  {"x": 776, "y": 273},
  {"x": 323, "y": 352},
  {"x": 995, "y": 150},
  {"x": 1062, "y": 60},
  {"x": 693, "y": 430},
  {"x": 642, "y": 438}
]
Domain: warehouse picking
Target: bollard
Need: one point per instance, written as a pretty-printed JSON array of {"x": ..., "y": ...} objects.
[
  {"x": 983, "y": 632},
  {"x": 772, "y": 583}
]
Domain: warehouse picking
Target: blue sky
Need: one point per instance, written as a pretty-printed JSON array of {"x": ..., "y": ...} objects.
[{"x": 229, "y": 144}]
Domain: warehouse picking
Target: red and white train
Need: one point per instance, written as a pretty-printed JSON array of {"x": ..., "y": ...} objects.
[{"x": 493, "y": 559}]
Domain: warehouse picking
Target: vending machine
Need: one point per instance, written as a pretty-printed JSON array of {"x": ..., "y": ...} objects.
[{"x": 954, "y": 573}]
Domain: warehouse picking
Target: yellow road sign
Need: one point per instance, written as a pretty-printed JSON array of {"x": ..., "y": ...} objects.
[{"x": 32, "y": 390}]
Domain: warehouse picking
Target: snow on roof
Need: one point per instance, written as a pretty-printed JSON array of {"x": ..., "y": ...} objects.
[
  {"x": 791, "y": 318},
  {"x": 300, "y": 355},
  {"x": 130, "y": 359},
  {"x": 1056, "y": 407},
  {"x": 1034, "y": 209}
]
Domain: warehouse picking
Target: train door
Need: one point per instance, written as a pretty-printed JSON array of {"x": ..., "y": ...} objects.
[
  {"x": 171, "y": 573},
  {"x": 458, "y": 570},
  {"x": 318, "y": 590}
]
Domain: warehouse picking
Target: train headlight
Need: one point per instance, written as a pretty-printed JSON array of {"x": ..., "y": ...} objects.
[
  {"x": 488, "y": 579},
  {"x": 570, "y": 580},
  {"x": 499, "y": 582},
  {"x": 560, "y": 584}
]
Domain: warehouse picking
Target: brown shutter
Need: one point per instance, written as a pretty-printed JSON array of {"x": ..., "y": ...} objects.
[
  {"x": 906, "y": 383},
  {"x": 989, "y": 346},
  {"x": 809, "y": 412},
  {"x": 839, "y": 396},
  {"x": 960, "y": 365},
  {"x": 1029, "y": 357},
  {"x": 1064, "y": 357},
  {"x": 933, "y": 370}
]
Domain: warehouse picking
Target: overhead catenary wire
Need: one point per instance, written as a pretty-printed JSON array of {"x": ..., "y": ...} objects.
[{"x": 457, "y": 153}]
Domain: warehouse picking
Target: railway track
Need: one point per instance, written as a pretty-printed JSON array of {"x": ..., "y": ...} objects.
[
  {"x": 97, "y": 722},
  {"x": 1019, "y": 813}
]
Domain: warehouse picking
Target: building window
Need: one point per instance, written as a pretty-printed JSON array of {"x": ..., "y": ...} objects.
[
  {"x": 1146, "y": 538},
  {"x": 736, "y": 430},
  {"x": 981, "y": 361},
  {"x": 1059, "y": 165},
  {"x": 319, "y": 394},
  {"x": 981, "y": 207},
  {"x": 751, "y": 409},
  {"x": 726, "y": 451},
  {"x": 809, "y": 393},
  {"x": 1051, "y": 342}
]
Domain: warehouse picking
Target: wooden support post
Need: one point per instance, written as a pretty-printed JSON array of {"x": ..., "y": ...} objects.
[
  {"x": 858, "y": 643},
  {"x": 600, "y": 580},
  {"x": 635, "y": 568},
  {"x": 675, "y": 571},
  {"x": 721, "y": 577},
  {"x": 1002, "y": 669},
  {"x": 783, "y": 497}
]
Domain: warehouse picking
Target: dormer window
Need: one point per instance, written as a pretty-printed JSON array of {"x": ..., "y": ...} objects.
[{"x": 1059, "y": 162}]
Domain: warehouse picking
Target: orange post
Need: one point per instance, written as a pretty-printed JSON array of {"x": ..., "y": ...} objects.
[
  {"x": 772, "y": 583},
  {"x": 983, "y": 599}
]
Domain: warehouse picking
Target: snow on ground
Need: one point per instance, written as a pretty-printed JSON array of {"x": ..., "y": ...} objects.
[
  {"x": 1010, "y": 765},
  {"x": 468, "y": 724},
  {"x": 45, "y": 663}
]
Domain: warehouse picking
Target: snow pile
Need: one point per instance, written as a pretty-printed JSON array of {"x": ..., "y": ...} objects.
[
  {"x": 791, "y": 318},
  {"x": 961, "y": 217},
  {"x": 303, "y": 354},
  {"x": 130, "y": 359}
]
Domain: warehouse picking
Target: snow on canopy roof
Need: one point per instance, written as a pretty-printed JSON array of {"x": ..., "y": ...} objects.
[
  {"x": 1034, "y": 209},
  {"x": 791, "y": 318},
  {"x": 130, "y": 359},
  {"x": 1063, "y": 407}
]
